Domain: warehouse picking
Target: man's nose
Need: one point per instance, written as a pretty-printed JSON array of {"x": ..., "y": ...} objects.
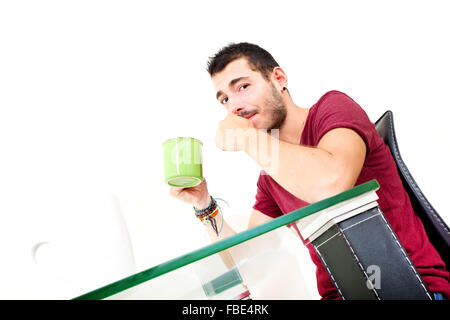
[{"x": 236, "y": 109}]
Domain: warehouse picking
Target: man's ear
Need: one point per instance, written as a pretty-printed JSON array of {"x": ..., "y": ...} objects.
[{"x": 279, "y": 78}]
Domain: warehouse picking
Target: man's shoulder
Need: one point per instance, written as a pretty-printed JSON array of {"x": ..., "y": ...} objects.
[
  {"x": 336, "y": 101},
  {"x": 332, "y": 94}
]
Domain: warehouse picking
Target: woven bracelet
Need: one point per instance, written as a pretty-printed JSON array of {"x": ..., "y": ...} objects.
[
  {"x": 208, "y": 217},
  {"x": 208, "y": 210},
  {"x": 208, "y": 214}
]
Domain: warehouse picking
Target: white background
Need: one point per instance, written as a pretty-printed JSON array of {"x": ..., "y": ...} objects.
[{"x": 90, "y": 89}]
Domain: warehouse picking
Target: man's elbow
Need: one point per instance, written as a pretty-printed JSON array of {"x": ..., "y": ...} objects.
[{"x": 333, "y": 186}]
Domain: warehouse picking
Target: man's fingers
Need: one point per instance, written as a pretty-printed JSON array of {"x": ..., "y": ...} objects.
[{"x": 175, "y": 192}]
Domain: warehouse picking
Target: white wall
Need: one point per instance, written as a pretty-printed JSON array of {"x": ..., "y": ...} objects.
[{"x": 90, "y": 89}]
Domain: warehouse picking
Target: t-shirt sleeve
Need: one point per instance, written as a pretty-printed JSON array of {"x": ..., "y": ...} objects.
[
  {"x": 264, "y": 201},
  {"x": 337, "y": 110}
]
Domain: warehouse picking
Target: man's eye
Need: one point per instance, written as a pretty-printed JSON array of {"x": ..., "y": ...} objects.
[
  {"x": 224, "y": 100},
  {"x": 243, "y": 87}
]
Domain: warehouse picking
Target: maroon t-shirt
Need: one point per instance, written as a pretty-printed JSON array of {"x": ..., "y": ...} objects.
[{"x": 337, "y": 110}]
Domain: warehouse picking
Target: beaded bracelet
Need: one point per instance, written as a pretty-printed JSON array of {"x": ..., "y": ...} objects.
[
  {"x": 208, "y": 210},
  {"x": 206, "y": 219},
  {"x": 208, "y": 214}
]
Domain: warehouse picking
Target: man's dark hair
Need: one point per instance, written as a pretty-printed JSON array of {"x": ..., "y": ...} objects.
[{"x": 258, "y": 58}]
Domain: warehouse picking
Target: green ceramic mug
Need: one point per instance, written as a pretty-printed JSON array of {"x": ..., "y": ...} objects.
[{"x": 183, "y": 162}]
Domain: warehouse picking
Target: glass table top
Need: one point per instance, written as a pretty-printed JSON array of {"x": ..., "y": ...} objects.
[{"x": 226, "y": 269}]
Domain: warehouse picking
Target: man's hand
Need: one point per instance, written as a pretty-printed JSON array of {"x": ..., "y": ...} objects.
[
  {"x": 198, "y": 196},
  {"x": 233, "y": 132}
]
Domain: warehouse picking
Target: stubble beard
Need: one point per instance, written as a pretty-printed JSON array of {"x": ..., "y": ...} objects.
[{"x": 276, "y": 109}]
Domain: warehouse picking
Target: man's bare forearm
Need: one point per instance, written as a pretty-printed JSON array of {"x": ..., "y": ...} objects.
[{"x": 225, "y": 232}]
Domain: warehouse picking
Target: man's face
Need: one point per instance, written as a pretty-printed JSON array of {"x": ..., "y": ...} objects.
[{"x": 248, "y": 94}]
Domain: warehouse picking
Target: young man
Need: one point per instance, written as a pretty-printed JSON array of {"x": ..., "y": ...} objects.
[{"x": 321, "y": 151}]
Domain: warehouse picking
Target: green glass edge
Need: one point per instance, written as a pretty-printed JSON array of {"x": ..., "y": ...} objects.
[{"x": 224, "y": 244}]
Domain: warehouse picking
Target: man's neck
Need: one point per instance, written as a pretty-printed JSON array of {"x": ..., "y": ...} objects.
[{"x": 292, "y": 128}]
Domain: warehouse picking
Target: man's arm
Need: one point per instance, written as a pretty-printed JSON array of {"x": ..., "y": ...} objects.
[
  {"x": 256, "y": 218},
  {"x": 200, "y": 198},
  {"x": 313, "y": 173}
]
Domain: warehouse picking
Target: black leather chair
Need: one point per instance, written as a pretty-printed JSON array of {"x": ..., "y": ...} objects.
[{"x": 437, "y": 230}]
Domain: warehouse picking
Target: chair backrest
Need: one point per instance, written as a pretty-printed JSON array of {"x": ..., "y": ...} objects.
[{"x": 437, "y": 230}]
